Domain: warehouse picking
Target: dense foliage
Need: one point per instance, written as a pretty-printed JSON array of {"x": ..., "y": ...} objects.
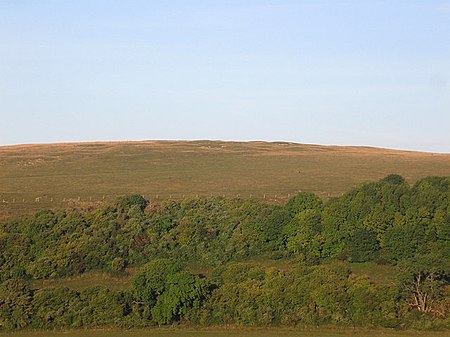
[{"x": 386, "y": 222}]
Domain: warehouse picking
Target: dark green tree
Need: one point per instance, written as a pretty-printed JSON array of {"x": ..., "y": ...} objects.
[
  {"x": 363, "y": 246},
  {"x": 15, "y": 304},
  {"x": 303, "y": 201},
  {"x": 182, "y": 292}
]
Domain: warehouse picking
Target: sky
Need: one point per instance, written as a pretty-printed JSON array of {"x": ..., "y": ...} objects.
[{"x": 373, "y": 73}]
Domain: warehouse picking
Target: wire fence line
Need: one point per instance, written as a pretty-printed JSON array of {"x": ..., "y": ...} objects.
[
  {"x": 7, "y": 199},
  {"x": 150, "y": 197}
]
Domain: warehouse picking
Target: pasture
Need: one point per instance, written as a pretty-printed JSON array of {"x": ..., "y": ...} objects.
[
  {"x": 378, "y": 274},
  {"x": 85, "y": 175},
  {"x": 225, "y": 332}
]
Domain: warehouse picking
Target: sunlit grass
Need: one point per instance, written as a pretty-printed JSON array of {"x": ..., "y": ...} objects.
[
  {"x": 378, "y": 274},
  {"x": 87, "y": 280},
  {"x": 74, "y": 175}
]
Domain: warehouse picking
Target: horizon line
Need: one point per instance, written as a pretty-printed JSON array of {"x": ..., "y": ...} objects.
[{"x": 70, "y": 142}]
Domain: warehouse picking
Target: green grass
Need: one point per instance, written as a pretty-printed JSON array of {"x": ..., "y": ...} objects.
[
  {"x": 87, "y": 174},
  {"x": 378, "y": 274},
  {"x": 87, "y": 280},
  {"x": 225, "y": 332}
]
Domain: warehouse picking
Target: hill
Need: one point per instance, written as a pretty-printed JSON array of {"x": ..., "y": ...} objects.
[{"x": 84, "y": 174}]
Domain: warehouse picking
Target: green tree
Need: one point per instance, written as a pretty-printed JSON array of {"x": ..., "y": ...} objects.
[
  {"x": 15, "y": 304},
  {"x": 182, "y": 292},
  {"x": 303, "y": 201},
  {"x": 408, "y": 235},
  {"x": 118, "y": 265},
  {"x": 165, "y": 292},
  {"x": 151, "y": 280},
  {"x": 423, "y": 278},
  {"x": 101, "y": 307},
  {"x": 363, "y": 246},
  {"x": 125, "y": 203},
  {"x": 303, "y": 233},
  {"x": 56, "y": 308}
]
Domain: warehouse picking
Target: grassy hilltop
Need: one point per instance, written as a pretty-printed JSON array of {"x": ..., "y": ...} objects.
[{"x": 59, "y": 175}]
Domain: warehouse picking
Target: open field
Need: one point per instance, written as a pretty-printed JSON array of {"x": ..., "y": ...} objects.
[
  {"x": 87, "y": 280},
  {"x": 86, "y": 174},
  {"x": 230, "y": 332}
]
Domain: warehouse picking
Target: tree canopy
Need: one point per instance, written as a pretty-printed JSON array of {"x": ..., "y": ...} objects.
[{"x": 384, "y": 222}]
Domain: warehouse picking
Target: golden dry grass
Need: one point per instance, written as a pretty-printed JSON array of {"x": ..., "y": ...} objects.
[{"x": 86, "y": 174}]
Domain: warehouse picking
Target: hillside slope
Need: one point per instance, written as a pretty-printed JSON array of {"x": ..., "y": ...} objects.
[{"x": 58, "y": 175}]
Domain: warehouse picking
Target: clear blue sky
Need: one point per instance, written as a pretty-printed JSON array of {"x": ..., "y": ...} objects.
[{"x": 327, "y": 72}]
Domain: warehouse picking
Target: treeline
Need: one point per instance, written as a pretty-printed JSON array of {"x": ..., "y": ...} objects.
[
  {"x": 387, "y": 222},
  {"x": 237, "y": 294}
]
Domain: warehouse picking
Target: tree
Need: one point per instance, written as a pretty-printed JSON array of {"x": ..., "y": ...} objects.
[
  {"x": 124, "y": 204},
  {"x": 151, "y": 280},
  {"x": 363, "y": 246},
  {"x": 101, "y": 306},
  {"x": 303, "y": 233},
  {"x": 15, "y": 304},
  {"x": 182, "y": 292},
  {"x": 423, "y": 278},
  {"x": 118, "y": 265},
  {"x": 166, "y": 293},
  {"x": 56, "y": 308},
  {"x": 303, "y": 201}
]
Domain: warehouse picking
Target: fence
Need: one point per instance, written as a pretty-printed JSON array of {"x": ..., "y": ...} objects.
[{"x": 6, "y": 199}]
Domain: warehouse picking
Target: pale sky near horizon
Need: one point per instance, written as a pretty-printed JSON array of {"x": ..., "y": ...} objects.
[{"x": 327, "y": 72}]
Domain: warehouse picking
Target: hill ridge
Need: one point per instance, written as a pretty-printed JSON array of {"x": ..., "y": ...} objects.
[
  {"x": 199, "y": 141},
  {"x": 34, "y": 176}
]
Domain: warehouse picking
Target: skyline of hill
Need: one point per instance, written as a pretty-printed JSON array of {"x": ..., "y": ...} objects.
[{"x": 83, "y": 174}]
